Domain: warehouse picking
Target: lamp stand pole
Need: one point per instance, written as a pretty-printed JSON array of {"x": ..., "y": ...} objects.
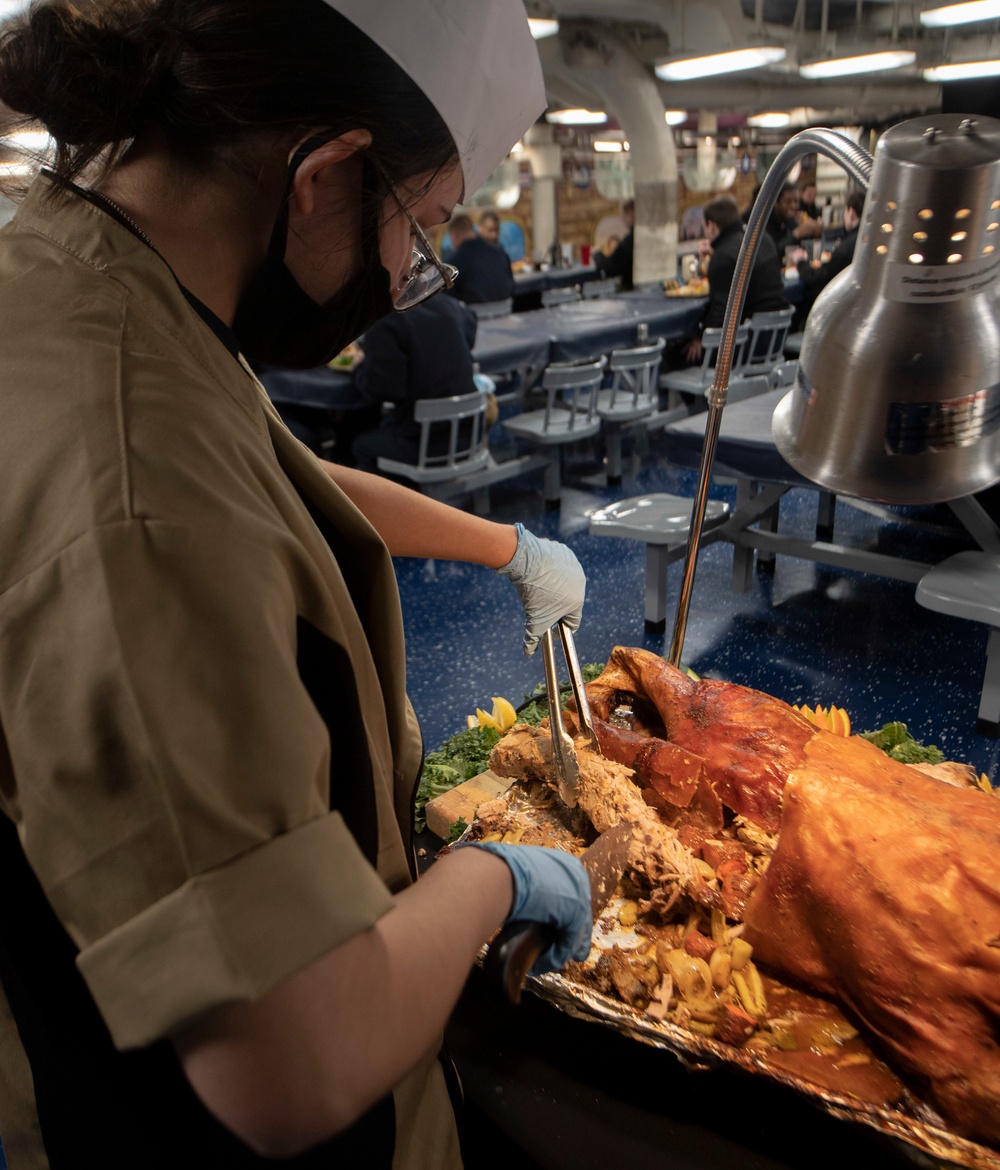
[{"x": 857, "y": 162}]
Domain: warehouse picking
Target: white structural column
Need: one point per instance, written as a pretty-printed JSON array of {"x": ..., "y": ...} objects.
[
  {"x": 545, "y": 157},
  {"x": 625, "y": 87}
]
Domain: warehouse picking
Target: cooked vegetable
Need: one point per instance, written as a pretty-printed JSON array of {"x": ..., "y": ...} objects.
[{"x": 897, "y": 743}]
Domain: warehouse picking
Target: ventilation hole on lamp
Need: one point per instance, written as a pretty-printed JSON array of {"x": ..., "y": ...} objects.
[
  {"x": 963, "y": 213},
  {"x": 956, "y": 236},
  {"x": 916, "y": 258},
  {"x": 955, "y": 258},
  {"x": 920, "y": 237},
  {"x": 887, "y": 227},
  {"x": 992, "y": 227},
  {"x": 995, "y": 204},
  {"x": 988, "y": 249},
  {"x": 925, "y": 213},
  {"x": 890, "y": 206},
  {"x": 881, "y": 249}
]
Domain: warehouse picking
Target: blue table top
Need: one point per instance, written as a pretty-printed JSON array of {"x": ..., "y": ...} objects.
[
  {"x": 582, "y": 330},
  {"x": 530, "y": 282},
  {"x": 576, "y": 332},
  {"x": 587, "y": 329},
  {"x": 745, "y": 448}
]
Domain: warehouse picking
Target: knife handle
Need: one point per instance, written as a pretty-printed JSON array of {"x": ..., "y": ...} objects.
[{"x": 512, "y": 954}]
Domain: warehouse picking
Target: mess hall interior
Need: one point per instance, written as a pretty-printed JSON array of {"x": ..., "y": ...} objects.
[{"x": 723, "y": 323}]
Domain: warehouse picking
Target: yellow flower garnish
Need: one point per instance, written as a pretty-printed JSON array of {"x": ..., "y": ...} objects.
[
  {"x": 834, "y": 719},
  {"x": 502, "y": 719}
]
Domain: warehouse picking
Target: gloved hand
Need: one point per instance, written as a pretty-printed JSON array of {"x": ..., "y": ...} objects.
[
  {"x": 550, "y": 887},
  {"x": 550, "y": 582}
]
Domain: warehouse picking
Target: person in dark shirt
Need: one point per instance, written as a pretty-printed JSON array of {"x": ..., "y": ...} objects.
[
  {"x": 786, "y": 226},
  {"x": 484, "y": 272},
  {"x": 814, "y": 280},
  {"x": 619, "y": 263},
  {"x": 807, "y": 200},
  {"x": 765, "y": 289},
  {"x": 488, "y": 228},
  {"x": 425, "y": 352}
]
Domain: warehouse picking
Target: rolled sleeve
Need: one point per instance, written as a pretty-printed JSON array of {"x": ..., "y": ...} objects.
[
  {"x": 230, "y": 935},
  {"x": 173, "y": 774}
]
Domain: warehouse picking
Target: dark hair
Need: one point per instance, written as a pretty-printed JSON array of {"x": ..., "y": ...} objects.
[
  {"x": 461, "y": 225},
  {"x": 723, "y": 212},
  {"x": 210, "y": 75},
  {"x": 628, "y": 205},
  {"x": 490, "y": 215},
  {"x": 856, "y": 202}
]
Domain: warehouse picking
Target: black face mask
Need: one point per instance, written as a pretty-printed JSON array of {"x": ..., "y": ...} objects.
[{"x": 279, "y": 324}]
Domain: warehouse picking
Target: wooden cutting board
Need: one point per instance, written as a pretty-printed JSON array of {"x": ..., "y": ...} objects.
[{"x": 461, "y": 802}]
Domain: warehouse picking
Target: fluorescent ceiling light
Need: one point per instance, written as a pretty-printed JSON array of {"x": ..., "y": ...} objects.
[
  {"x": 576, "y": 117},
  {"x": 772, "y": 121},
  {"x": 960, "y": 13},
  {"x": 962, "y": 70},
  {"x": 732, "y": 61},
  {"x": 675, "y": 117},
  {"x": 542, "y": 27},
  {"x": 862, "y": 63},
  {"x": 605, "y": 147}
]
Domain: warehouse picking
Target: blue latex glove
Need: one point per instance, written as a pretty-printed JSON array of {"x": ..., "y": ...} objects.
[
  {"x": 550, "y": 887},
  {"x": 550, "y": 582}
]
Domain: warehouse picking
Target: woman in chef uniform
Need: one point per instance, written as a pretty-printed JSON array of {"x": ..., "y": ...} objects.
[{"x": 212, "y": 950}]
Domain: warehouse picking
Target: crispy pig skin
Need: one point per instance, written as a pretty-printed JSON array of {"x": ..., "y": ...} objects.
[
  {"x": 885, "y": 891},
  {"x": 749, "y": 741},
  {"x": 676, "y": 775}
]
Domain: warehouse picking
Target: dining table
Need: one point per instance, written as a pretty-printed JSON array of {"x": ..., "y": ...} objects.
[
  {"x": 576, "y": 332},
  {"x": 529, "y": 286},
  {"x": 582, "y": 330}
]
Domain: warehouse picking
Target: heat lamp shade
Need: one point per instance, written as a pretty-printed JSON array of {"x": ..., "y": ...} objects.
[{"x": 897, "y": 396}]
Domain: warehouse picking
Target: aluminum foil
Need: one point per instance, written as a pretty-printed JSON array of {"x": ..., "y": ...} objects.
[{"x": 699, "y": 1052}]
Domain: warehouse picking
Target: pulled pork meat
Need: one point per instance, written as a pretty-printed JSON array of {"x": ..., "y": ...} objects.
[{"x": 608, "y": 796}]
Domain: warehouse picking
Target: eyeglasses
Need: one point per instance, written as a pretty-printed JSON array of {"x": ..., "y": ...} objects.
[{"x": 428, "y": 272}]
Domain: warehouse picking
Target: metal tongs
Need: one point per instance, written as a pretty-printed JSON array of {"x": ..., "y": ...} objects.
[{"x": 564, "y": 759}]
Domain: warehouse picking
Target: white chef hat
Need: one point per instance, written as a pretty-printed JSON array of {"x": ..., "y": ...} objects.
[{"x": 474, "y": 60}]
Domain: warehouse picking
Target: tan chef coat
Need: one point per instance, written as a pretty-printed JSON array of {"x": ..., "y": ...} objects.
[{"x": 160, "y": 755}]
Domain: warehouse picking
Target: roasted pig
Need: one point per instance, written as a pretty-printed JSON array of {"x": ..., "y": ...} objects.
[
  {"x": 748, "y": 741},
  {"x": 884, "y": 891}
]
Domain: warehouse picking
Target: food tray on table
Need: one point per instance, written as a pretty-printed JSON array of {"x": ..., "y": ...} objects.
[
  {"x": 825, "y": 1059},
  {"x": 700, "y": 289}
]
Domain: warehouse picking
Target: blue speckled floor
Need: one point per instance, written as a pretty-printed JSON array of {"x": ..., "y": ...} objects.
[{"x": 806, "y": 633}]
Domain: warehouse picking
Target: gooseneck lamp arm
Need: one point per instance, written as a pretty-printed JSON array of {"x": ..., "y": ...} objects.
[{"x": 857, "y": 162}]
